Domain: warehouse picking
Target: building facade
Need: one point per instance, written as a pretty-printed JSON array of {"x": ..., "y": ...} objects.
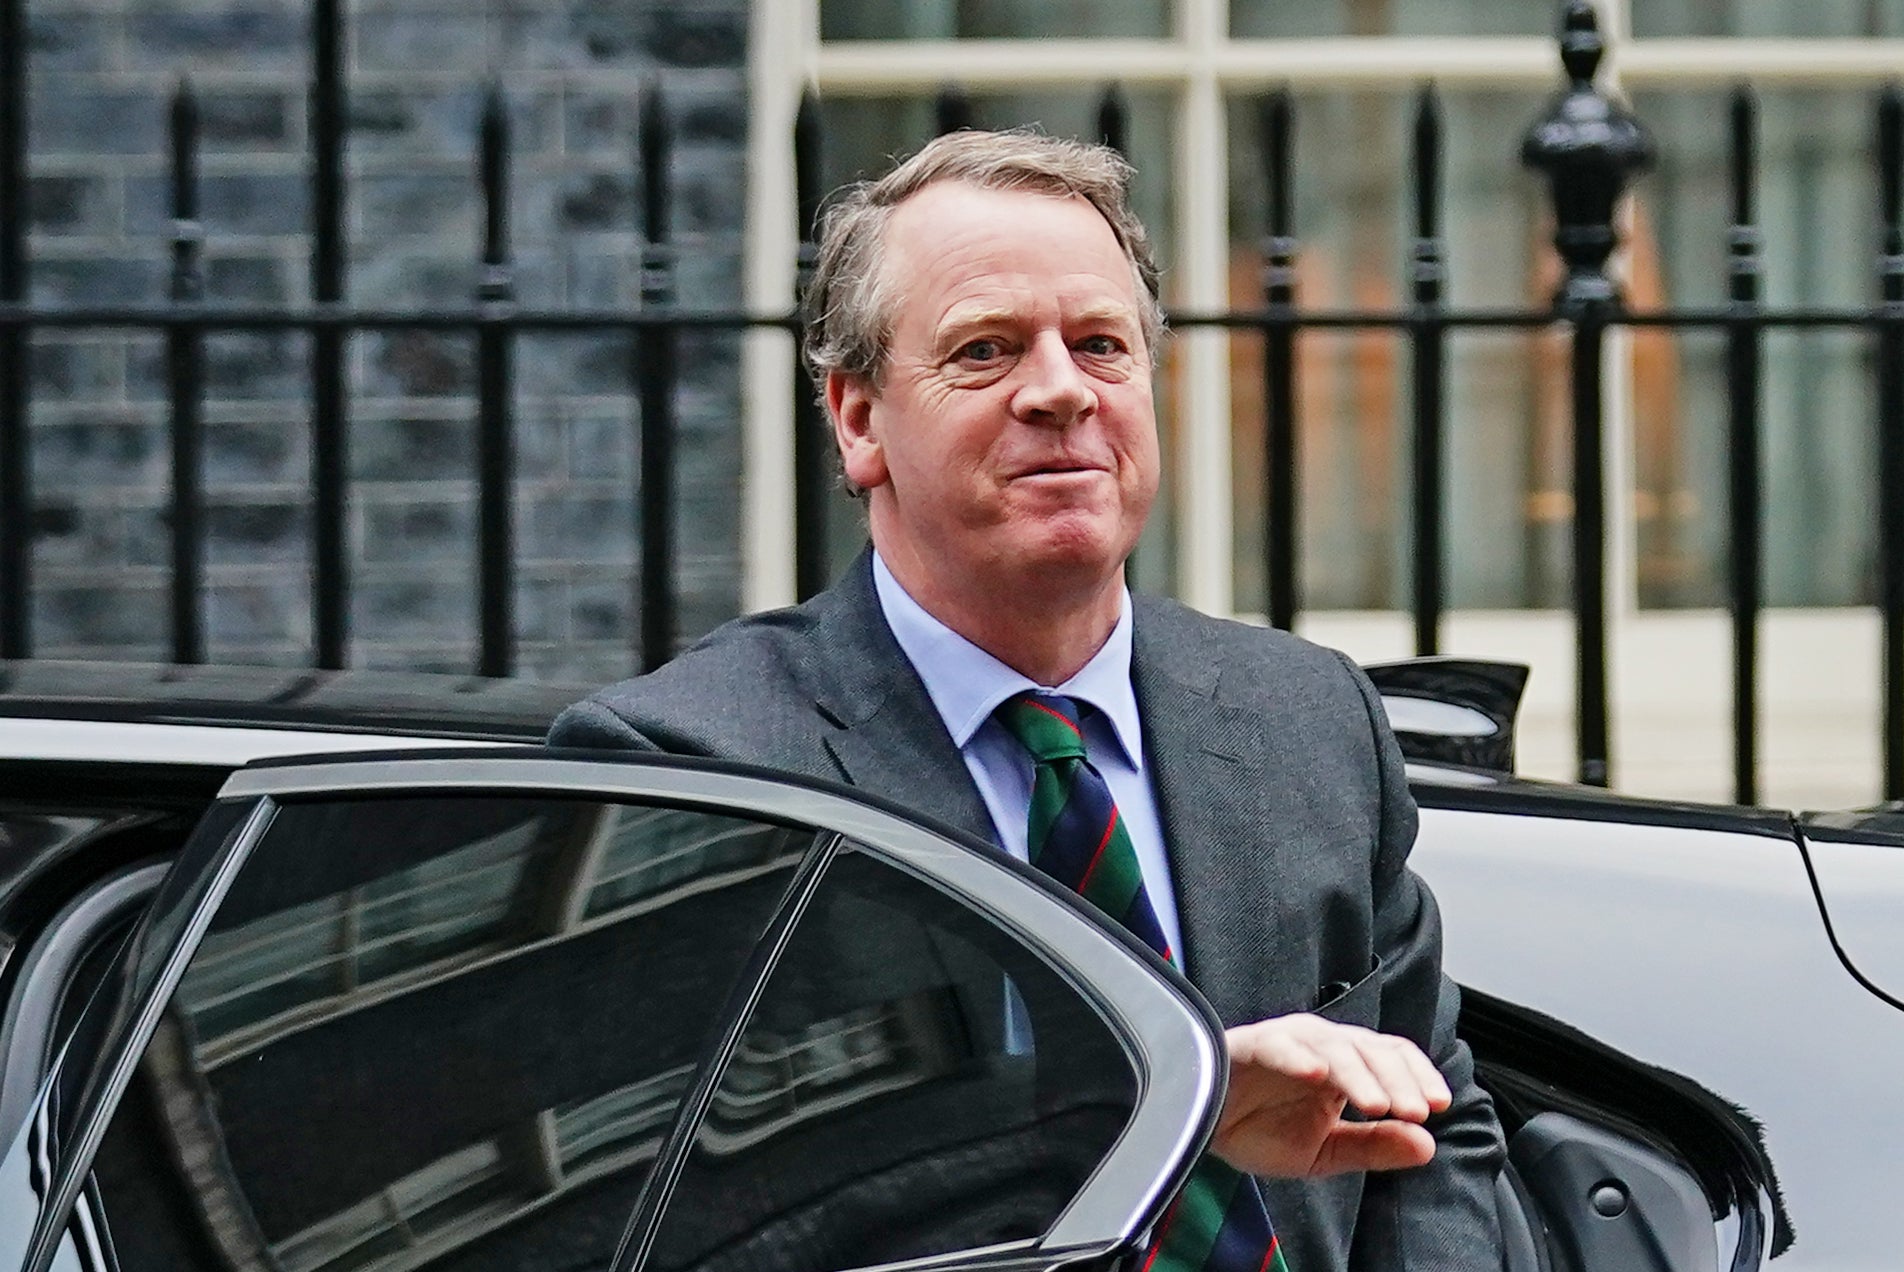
[{"x": 1193, "y": 74}]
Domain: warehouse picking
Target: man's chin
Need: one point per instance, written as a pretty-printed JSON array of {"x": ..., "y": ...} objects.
[{"x": 1067, "y": 558}]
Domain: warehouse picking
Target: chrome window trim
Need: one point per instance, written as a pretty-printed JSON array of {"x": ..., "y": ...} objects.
[
  {"x": 27, "y": 1025},
  {"x": 205, "y": 745},
  {"x": 76, "y": 1163},
  {"x": 1175, "y": 1097}
]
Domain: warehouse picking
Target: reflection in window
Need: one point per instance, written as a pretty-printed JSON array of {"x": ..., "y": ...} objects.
[
  {"x": 646, "y": 851},
  {"x": 778, "y": 1079},
  {"x": 993, "y": 19},
  {"x": 445, "y": 1033},
  {"x": 327, "y": 948},
  {"x": 912, "y": 1083}
]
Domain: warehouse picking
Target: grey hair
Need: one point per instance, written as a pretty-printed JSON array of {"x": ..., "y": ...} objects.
[{"x": 849, "y": 304}]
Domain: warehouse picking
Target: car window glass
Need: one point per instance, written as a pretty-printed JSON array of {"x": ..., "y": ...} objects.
[
  {"x": 445, "y": 1033},
  {"x": 913, "y": 1082}
]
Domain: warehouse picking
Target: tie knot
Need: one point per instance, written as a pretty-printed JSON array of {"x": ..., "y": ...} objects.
[{"x": 1046, "y": 724}]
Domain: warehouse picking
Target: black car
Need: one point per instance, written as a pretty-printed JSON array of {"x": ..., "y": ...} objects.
[{"x": 319, "y": 971}]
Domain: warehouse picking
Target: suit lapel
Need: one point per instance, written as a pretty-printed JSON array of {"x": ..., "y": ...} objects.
[
  {"x": 1209, "y": 766},
  {"x": 885, "y": 734}
]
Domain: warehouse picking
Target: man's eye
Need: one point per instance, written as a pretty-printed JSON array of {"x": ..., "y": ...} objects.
[
  {"x": 1101, "y": 346},
  {"x": 981, "y": 351}
]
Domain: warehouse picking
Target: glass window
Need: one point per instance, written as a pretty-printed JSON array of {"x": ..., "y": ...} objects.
[
  {"x": 913, "y": 1083},
  {"x": 1817, "y": 219},
  {"x": 445, "y": 1033},
  {"x": 1507, "y": 456},
  {"x": 1763, "y": 18},
  {"x": 1278, "y": 19},
  {"x": 992, "y": 19}
]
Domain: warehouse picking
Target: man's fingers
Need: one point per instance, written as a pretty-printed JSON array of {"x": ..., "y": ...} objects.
[
  {"x": 1380, "y": 1074},
  {"x": 1365, "y": 1076},
  {"x": 1388, "y": 1145},
  {"x": 1412, "y": 1088},
  {"x": 1289, "y": 1052}
]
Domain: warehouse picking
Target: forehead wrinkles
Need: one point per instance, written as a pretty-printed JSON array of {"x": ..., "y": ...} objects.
[
  {"x": 1065, "y": 306},
  {"x": 944, "y": 257}
]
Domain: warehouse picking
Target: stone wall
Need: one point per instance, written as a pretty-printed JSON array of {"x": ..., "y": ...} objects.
[{"x": 100, "y": 75}]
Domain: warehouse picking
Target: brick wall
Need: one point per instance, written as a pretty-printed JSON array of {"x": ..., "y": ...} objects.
[{"x": 100, "y": 74}]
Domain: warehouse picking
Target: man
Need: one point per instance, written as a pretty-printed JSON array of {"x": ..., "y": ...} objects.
[{"x": 984, "y": 323}]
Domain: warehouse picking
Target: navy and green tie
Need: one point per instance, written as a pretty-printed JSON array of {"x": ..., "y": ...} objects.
[{"x": 1217, "y": 1223}]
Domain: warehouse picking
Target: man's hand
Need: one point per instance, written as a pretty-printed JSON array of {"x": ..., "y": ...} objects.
[{"x": 1291, "y": 1078}]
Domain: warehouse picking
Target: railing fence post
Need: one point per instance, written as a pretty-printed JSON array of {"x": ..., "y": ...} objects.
[
  {"x": 1280, "y": 513},
  {"x": 1589, "y": 147},
  {"x": 1113, "y": 119},
  {"x": 16, "y": 517},
  {"x": 812, "y": 446},
  {"x": 952, "y": 110},
  {"x": 330, "y": 576},
  {"x": 495, "y": 431},
  {"x": 1890, "y": 139},
  {"x": 1743, "y": 370},
  {"x": 654, "y": 378},
  {"x": 1429, "y": 350},
  {"x": 185, "y": 386}
]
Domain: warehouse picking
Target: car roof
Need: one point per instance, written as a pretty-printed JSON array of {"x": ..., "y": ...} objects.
[{"x": 422, "y": 704}]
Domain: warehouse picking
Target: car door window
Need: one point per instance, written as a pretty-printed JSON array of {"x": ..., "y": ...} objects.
[
  {"x": 913, "y": 1082},
  {"x": 444, "y": 1032}
]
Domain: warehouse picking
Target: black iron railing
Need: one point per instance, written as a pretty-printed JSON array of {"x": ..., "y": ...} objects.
[{"x": 1587, "y": 145}]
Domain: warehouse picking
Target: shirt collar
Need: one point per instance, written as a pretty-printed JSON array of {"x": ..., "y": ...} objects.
[{"x": 966, "y": 684}]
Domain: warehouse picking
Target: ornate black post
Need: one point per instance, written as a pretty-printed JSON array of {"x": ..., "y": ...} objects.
[
  {"x": 1744, "y": 506},
  {"x": 16, "y": 516},
  {"x": 812, "y": 439},
  {"x": 495, "y": 423},
  {"x": 1890, "y": 367},
  {"x": 1428, "y": 345},
  {"x": 330, "y": 400},
  {"x": 185, "y": 376},
  {"x": 659, "y": 598},
  {"x": 1280, "y": 519},
  {"x": 1589, "y": 147}
]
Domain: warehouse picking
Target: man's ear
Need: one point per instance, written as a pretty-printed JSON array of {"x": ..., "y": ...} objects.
[{"x": 850, "y": 400}]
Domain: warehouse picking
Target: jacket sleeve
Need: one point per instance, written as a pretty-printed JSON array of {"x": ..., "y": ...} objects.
[
  {"x": 1442, "y": 1216},
  {"x": 592, "y": 725}
]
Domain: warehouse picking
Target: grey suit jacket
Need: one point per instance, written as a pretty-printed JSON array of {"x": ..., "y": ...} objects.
[{"x": 1288, "y": 824}]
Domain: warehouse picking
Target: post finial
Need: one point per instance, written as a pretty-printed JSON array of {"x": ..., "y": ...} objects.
[{"x": 1590, "y": 147}]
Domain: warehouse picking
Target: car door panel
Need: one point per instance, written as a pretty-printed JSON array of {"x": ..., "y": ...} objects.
[
  {"x": 1690, "y": 948},
  {"x": 445, "y": 1013}
]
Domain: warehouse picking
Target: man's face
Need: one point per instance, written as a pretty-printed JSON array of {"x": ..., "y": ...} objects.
[{"x": 1013, "y": 440}]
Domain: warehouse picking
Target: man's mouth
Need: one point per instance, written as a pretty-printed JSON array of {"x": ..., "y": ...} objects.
[{"x": 1059, "y": 470}]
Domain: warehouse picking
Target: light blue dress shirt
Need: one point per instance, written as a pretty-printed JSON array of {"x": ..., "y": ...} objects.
[{"x": 966, "y": 685}]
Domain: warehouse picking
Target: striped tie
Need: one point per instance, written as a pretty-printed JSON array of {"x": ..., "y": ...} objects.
[{"x": 1217, "y": 1222}]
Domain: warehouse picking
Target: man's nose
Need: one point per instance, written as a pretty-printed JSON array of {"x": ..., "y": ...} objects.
[{"x": 1052, "y": 389}]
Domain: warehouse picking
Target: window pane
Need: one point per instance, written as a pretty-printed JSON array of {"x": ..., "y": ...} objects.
[
  {"x": 1277, "y": 19},
  {"x": 1817, "y": 213},
  {"x": 992, "y": 19},
  {"x": 913, "y": 1083},
  {"x": 1505, "y": 425},
  {"x": 1768, "y": 17},
  {"x": 443, "y": 1033}
]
